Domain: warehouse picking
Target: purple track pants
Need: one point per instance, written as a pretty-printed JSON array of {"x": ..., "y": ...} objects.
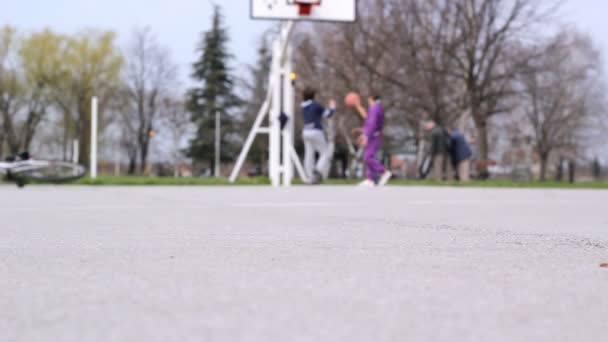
[{"x": 375, "y": 169}]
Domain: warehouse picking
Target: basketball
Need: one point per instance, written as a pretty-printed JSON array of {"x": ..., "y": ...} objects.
[{"x": 352, "y": 99}]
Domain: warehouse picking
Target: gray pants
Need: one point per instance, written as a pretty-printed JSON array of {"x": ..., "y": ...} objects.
[
  {"x": 315, "y": 142},
  {"x": 464, "y": 168},
  {"x": 438, "y": 167}
]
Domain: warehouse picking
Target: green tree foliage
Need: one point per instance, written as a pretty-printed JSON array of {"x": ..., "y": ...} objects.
[
  {"x": 24, "y": 85},
  {"x": 11, "y": 88},
  {"x": 45, "y": 71},
  {"x": 214, "y": 94},
  {"x": 39, "y": 57},
  {"x": 92, "y": 67}
]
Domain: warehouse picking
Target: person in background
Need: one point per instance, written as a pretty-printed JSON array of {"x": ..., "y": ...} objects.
[
  {"x": 440, "y": 141},
  {"x": 371, "y": 140},
  {"x": 315, "y": 141},
  {"x": 460, "y": 154}
]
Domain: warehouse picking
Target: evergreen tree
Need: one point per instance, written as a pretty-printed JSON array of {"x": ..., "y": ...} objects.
[{"x": 215, "y": 94}]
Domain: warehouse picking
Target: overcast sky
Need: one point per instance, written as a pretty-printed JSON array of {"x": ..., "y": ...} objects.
[{"x": 178, "y": 23}]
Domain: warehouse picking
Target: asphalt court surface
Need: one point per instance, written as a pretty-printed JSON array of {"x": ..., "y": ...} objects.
[{"x": 302, "y": 264}]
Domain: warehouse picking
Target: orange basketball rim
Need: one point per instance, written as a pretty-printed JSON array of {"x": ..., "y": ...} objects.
[{"x": 306, "y": 6}]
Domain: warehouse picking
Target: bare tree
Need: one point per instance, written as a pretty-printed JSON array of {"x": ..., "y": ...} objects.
[
  {"x": 126, "y": 125},
  {"x": 176, "y": 119},
  {"x": 482, "y": 58},
  {"x": 417, "y": 42},
  {"x": 149, "y": 77},
  {"x": 559, "y": 91},
  {"x": 444, "y": 58}
]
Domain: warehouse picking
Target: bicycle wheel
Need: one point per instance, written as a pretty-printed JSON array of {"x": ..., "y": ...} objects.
[{"x": 50, "y": 172}]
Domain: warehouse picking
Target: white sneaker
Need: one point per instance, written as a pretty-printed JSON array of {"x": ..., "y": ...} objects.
[
  {"x": 367, "y": 184},
  {"x": 386, "y": 176}
]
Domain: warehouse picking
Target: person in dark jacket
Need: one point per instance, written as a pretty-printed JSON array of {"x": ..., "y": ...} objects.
[
  {"x": 315, "y": 141},
  {"x": 440, "y": 140},
  {"x": 460, "y": 154}
]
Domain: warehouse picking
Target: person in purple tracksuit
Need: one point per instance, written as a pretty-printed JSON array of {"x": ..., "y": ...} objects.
[{"x": 371, "y": 140}]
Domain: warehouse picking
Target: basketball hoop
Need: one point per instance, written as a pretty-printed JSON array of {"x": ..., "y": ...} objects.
[
  {"x": 344, "y": 11},
  {"x": 305, "y": 7}
]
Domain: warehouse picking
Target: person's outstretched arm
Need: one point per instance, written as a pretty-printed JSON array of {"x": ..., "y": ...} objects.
[
  {"x": 362, "y": 111},
  {"x": 330, "y": 110}
]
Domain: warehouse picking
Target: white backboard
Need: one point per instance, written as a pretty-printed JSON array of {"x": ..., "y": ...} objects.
[{"x": 327, "y": 10}]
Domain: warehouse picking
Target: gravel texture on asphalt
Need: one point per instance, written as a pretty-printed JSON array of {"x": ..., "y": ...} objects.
[{"x": 307, "y": 264}]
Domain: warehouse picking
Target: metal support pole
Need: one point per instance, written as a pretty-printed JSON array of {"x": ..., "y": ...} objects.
[
  {"x": 217, "y": 144},
  {"x": 274, "y": 123},
  {"x": 93, "y": 156},
  {"x": 288, "y": 109}
]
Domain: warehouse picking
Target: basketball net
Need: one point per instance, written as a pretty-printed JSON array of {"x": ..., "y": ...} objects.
[{"x": 306, "y": 7}]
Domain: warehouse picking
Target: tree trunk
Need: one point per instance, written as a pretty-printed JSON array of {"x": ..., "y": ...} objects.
[
  {"x": 64, "y": 143},
  {"x": 143, "y": 157},
  {"x": 30, "y": 127},
  {"x": 84, "y": 131},
  {"x": 559, "y": 176},
  {"x": 211, "y": 165},
  {"x": 596, "y": 169},
  {"x": 1, "y": 145},
  {"x": 176, "y": 156},
  {"x": 572, "y": 171},
  {"x": 13, "y": 147},
  {"x": 483, "y": 148},
  {"x": 67, "y": 134},
  {"x": 12, "y": 141},
  {"x": 544, "y": 159},
  {"x": 132, "y": 166},
  {"x": 84, "y": 144}
]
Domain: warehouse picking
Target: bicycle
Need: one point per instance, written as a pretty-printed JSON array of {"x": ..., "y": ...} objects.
[{"x": 23, "y": 169}]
